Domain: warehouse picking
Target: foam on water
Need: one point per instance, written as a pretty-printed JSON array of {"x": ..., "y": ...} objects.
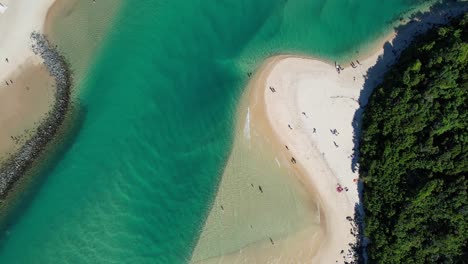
[
  {"x": 247, "y": 125},
  {"x": 277, "y": 162}
]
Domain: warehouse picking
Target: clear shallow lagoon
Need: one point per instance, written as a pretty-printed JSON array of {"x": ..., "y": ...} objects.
[
  {"x": 158, "y": 118},
  {"x": 260, "y": 197}
]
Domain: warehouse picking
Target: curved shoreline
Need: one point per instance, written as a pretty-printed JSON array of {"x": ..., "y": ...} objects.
[
  {"x": 58, "y": 68},
  {"x": 281, "y": 110},
  {"x": 310, "y": 100},
  {"x": 340, "y": 238}
]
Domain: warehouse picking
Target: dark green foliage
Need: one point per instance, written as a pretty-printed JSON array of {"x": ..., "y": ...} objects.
[{"x": 414, "y": 160}]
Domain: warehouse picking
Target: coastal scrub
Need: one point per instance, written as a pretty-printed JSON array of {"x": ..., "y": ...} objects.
[{"x": 414, "y": 161}]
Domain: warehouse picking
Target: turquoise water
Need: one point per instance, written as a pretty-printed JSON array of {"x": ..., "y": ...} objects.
[{"x": 136, "y": 184}]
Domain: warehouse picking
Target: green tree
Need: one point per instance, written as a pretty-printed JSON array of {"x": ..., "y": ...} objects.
[{"x": 414, "y": 161}]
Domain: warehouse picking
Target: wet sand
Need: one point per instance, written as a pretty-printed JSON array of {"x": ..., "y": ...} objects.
[
  {"x": 260, "y": 197},
  {"x": 35, "y": 88},
  {"x": 299, "y": 247},
  {"x": 23, "y": 105},
  {"x": 26, "y": 101},
  {"x": 90, "y": 22}
]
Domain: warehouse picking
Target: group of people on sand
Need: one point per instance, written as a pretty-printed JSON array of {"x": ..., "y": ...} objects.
[
  {"x": 6, "y": 82},
  {"x": 339, "y": 68},
  {"x": 354, "y": 65},
  {"x": 293, "y": 160},
  {"x": 334, "y": 132},
  {"x": 261, "y": 190},
  {"x": 339, "y": 188}
]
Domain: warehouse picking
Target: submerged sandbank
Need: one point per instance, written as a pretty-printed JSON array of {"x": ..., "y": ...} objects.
[
  {"x": 262, "y": 211},
  {"x": 90, "y": 23}
]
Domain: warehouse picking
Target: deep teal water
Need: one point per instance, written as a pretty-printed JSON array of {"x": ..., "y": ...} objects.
[{"x": 136, "y": 184}]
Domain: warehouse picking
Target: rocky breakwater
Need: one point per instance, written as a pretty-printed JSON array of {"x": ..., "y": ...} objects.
[{"x": 17, "y": 165}]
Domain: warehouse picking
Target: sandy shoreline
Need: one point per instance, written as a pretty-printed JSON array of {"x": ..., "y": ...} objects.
[
  {"x": 312, "y": 109},
  {"x": 26, "y": 94},
  {"x": 34, "y": 90},
  {"x": 242, "y": 229},
  {"x": 29, "y": 82},
  {"x": 315, "y": 88},
  {"x": 316, "y": 112}
]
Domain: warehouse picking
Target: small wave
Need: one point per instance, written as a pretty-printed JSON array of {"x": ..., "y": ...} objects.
[{"x": 247, "y": 124}]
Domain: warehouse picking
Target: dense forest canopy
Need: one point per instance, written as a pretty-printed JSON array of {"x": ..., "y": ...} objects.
[{"x": 414, "y": 160}]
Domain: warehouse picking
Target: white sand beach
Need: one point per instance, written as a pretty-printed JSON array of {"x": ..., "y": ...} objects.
[
  {"x": 307, "y": 95},
  {"x": 308, "y": 115},
  {"x": 311, "y": 109},
  {"x": 309, "y": 103},
  {"x": 26, "y": 90}
]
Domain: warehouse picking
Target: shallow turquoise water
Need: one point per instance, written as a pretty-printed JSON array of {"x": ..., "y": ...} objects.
[{"x": 136, "y": 184}]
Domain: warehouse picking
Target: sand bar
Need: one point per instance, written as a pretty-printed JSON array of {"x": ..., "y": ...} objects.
[
  {"x": 311, "y": 111},
  {"x": 260, "y": 198}
]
